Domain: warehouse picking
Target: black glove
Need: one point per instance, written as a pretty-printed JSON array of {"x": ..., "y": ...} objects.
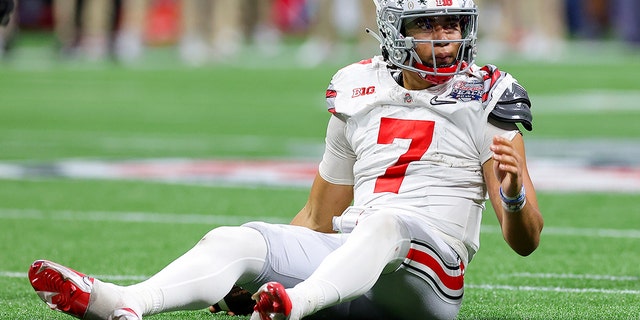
[
  {"x": 238, "y": 302},
  {"x": 6, "y": 7}
]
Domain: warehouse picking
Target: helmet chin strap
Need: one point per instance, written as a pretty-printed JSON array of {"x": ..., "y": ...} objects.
[
  {"x": 433, "y": 76},
  {"x": 431, "y": 73}
]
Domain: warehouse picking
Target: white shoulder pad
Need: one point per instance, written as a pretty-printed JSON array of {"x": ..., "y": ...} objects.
[{"x": 355, "y": 87}]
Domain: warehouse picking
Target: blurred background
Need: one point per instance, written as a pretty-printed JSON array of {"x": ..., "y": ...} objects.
[{"x": 307, "y": 33}]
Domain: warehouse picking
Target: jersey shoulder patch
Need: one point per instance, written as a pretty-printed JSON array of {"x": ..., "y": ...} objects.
[{"x": 509, "y": 99}]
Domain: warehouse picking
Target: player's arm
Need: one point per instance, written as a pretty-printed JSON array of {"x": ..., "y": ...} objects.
[
  {"x": 508, "y": 182},
  {"x": 332, "y": 189},
  {"x": 326, "y": 200},
  {"x": 517, "y": 208}
]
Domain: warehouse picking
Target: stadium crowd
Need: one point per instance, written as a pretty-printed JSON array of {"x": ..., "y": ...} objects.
[{"x": 208, "y": 31}]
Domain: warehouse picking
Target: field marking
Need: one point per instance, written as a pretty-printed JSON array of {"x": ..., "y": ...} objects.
[
  {"x": 573, "y": 276},
  {"x": 129, "y": 217},
  {"x": 551, "y": 289},
  {"x": 23, "y": 275},
  {"x": 174, "y": 218},
  {"x": 577, "y": 232}
]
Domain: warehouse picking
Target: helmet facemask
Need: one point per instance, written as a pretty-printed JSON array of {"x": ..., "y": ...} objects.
[{"x": 399, "y": 48}]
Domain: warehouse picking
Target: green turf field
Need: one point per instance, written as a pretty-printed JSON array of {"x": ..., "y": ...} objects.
[{"x": 125, "y": 230}]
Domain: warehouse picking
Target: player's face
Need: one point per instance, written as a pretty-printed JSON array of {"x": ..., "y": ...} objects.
[{"x": 438, "y": 28}]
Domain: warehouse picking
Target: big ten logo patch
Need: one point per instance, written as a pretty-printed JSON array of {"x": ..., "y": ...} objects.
[{"x": 358, "y": 92}]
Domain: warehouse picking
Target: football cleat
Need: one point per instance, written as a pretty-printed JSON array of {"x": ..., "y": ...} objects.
[
  {"x": 61, "y": 288},
  {"x": 272, "y": 302}
]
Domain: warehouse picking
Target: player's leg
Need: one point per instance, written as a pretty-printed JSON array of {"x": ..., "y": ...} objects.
[
  {"x": 410, "y": 271},
  {"x": 96, "y": 23},
  {"x": 206, "y": 273},
  {"x": 129, "y": 42},
  {"x": 64, "y": 17},
  {"x": 377, "y": 245},
  {"x": 406, "y": 296},
  {"x": 226, "y": 36},
  {"x": 428, "y": 285},
  {"x": 193, "y": 48},
  {"x": 197, "y": 279}
]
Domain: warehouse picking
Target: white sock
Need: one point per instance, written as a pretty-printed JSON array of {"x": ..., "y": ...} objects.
[
  {"x": 307, "y": 298},
  {"x": 105, "y": 298}
]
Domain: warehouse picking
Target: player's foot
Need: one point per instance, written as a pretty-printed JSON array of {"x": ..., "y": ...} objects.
[
  {"x": 272, "y": 302},
  {"x": 61, "y": 288},
  {"x": 69, "y": 291}
]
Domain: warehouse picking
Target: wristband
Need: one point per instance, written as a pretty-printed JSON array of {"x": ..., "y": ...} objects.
[{"x": 514, "y": 204}]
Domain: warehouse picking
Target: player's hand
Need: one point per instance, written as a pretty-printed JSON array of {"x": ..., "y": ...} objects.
[
  {"x": 237, "y": 302},
  {"x": 507, "y": 165},
  {"x": 6, "y": 7}
]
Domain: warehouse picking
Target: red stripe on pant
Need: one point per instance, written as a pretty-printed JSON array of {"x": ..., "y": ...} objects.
[{"x": 451, "y": 282}]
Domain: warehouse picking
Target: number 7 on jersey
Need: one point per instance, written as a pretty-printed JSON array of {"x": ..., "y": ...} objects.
[{"x": 421, "y": 134}]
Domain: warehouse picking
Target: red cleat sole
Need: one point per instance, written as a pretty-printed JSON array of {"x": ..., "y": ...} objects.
[{"x": 61, "y": 288}]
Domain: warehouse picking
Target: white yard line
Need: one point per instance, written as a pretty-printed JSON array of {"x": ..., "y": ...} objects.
[
  {"x": 603, "y": 277},
  {"x": 551, "y": 289},
  {"x": 132, "y": 217},
  {"x": 576, "y": 232}
]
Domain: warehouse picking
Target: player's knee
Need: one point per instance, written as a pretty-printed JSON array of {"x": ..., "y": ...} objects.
[
  {"x": 388, "y": 234},
  {"x": 219, "y": 234},
  {"x": 382, "y": 225},
  {"x": 233, "y": 238}
]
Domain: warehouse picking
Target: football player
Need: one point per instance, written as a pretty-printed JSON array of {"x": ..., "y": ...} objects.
[{"x": 417, "y": 141}]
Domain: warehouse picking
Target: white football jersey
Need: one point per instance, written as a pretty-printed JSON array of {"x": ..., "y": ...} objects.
[{"x": 420, "y": 152}]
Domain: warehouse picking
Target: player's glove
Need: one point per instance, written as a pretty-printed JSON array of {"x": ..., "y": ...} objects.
[
  {"x": 237, "y": 302},
  {"x": 6, "y": 7}
]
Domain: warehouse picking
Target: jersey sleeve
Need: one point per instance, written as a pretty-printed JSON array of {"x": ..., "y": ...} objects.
[
  {"x": 337, "y": 162},
  {"x": 496, "y": 128}
]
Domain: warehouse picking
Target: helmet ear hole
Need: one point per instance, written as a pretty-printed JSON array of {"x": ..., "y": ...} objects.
[{"x": 399, "y": 56}]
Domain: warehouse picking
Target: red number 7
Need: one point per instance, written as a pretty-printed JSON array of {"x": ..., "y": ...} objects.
[{"x": 421, "y": 134}]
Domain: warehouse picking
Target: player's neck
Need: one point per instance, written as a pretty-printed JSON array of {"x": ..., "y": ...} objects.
[{"x": 412, "y": 81}]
